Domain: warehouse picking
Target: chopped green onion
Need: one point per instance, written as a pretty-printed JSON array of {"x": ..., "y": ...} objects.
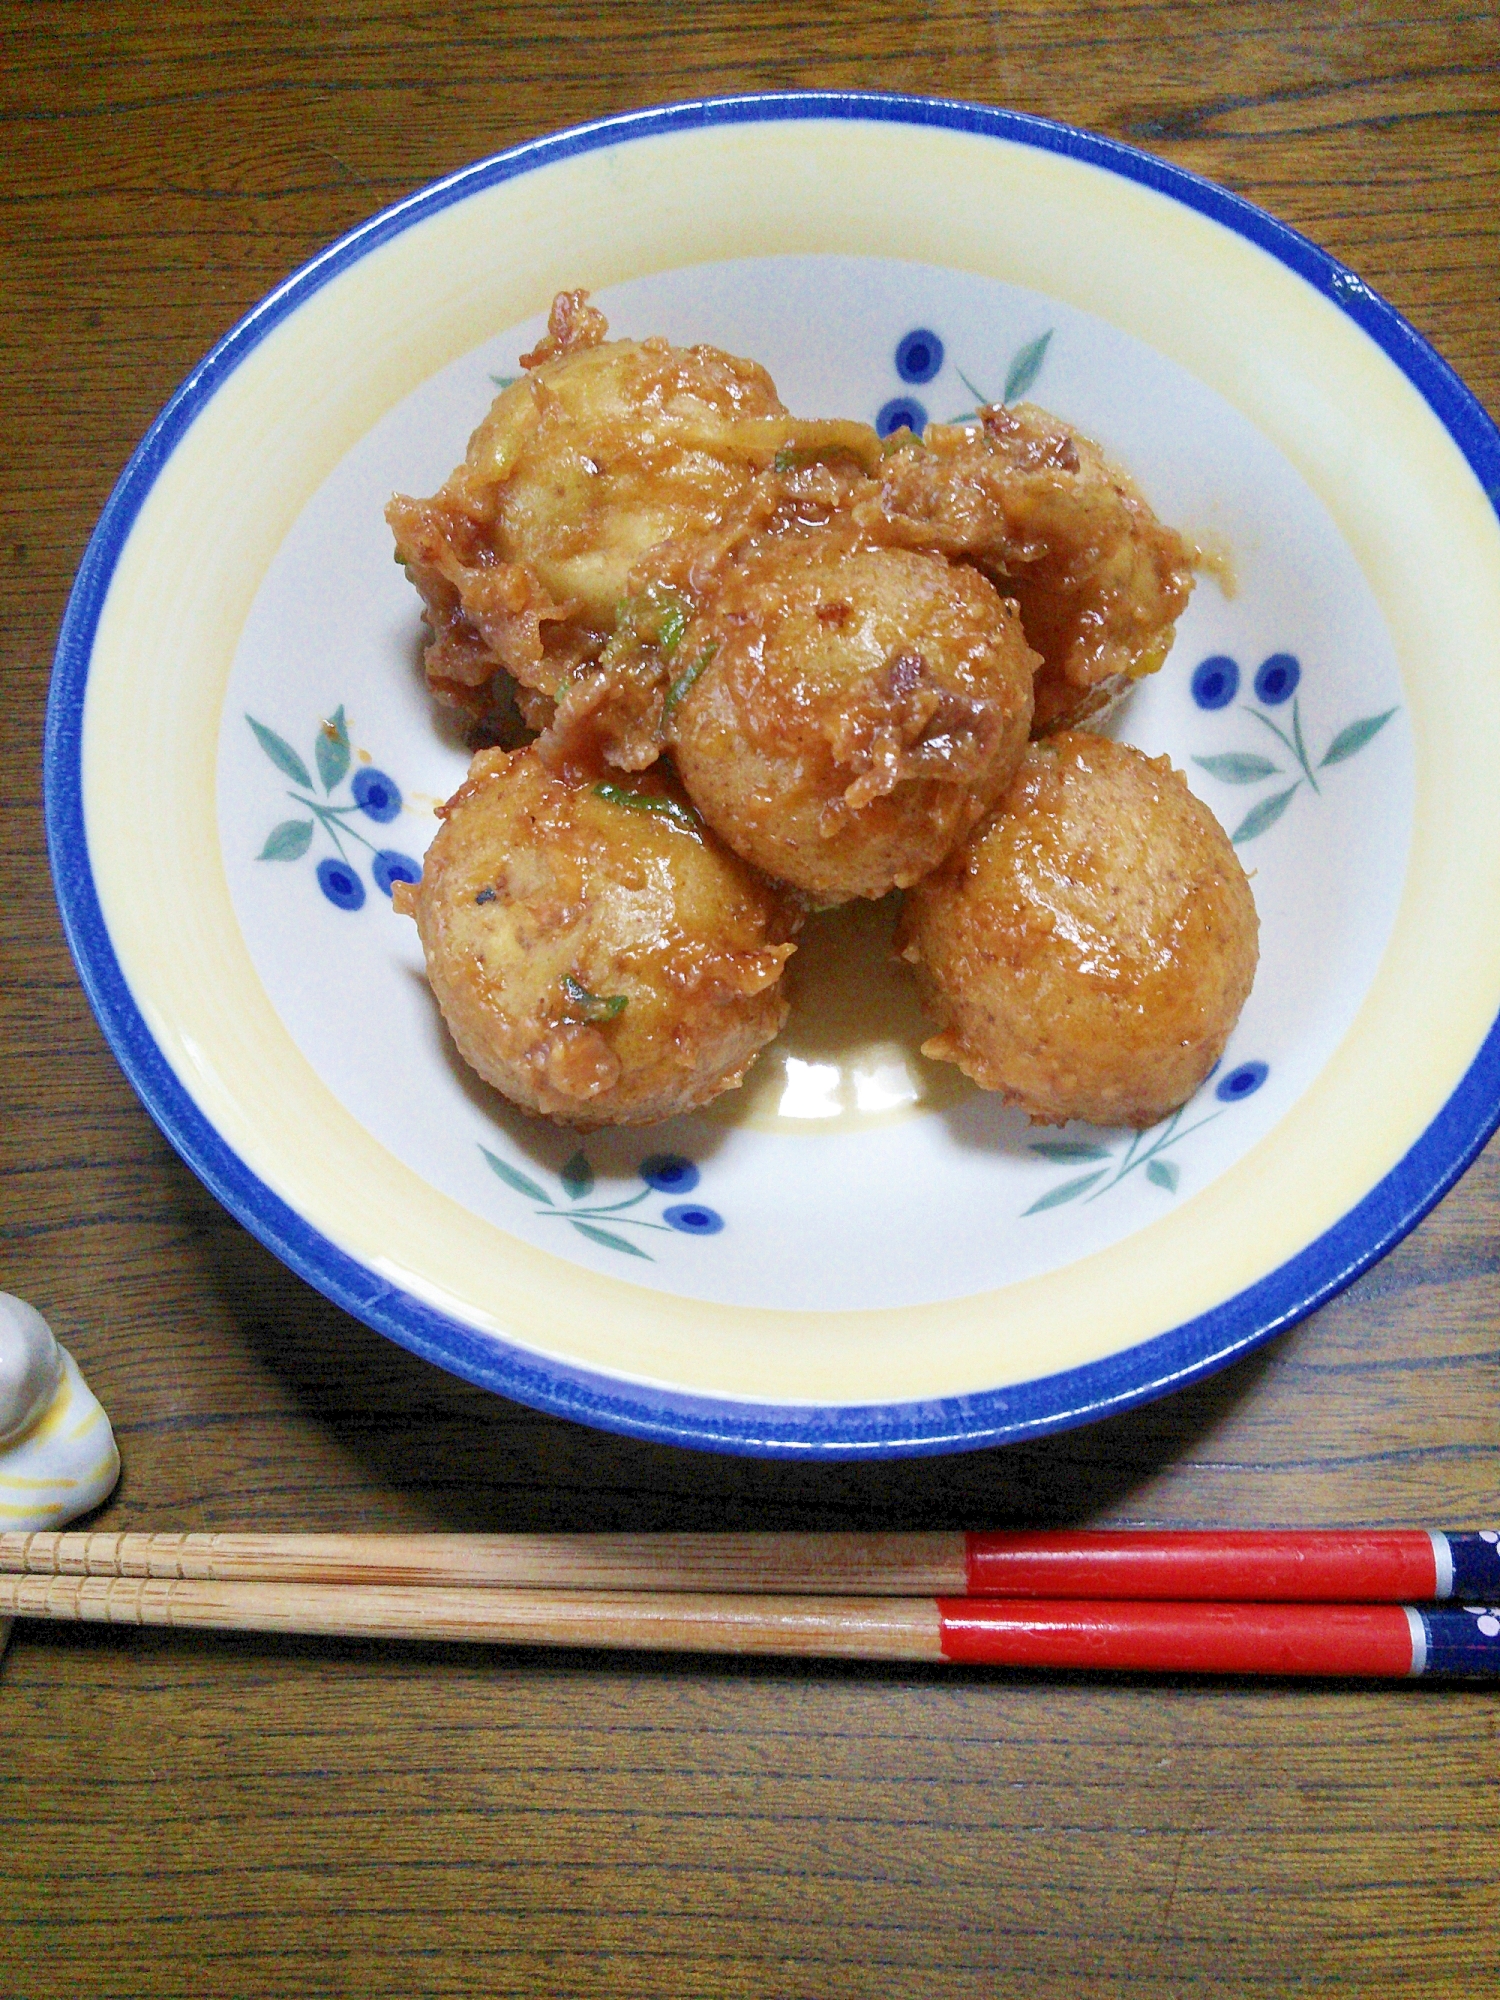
[
  {"x": 793, "y": 457},
  {"x": 593, "y": 1006},
  {"x": 685, "y": 679},
  {"x": 658, "y": 616},
  {"x": 673, "y": 622},
  {"x": 652, "y": 802}
]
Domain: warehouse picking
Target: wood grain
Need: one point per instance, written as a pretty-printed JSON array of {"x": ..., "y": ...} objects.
[
  {"x": 217, "y": 1815},
  {"x": 874, "y": 1628},
  {"x": 868, "y": 1565}
]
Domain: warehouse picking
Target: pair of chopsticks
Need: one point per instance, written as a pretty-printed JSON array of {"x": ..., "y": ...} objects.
[{"x": 1363, "y": 1602}]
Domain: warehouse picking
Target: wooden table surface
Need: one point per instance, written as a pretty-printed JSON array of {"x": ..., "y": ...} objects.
[{"x": 221, "y": 1816}]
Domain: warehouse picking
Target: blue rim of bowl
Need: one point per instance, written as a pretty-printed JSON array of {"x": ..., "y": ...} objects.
[{"x": 845, "y": 1431}]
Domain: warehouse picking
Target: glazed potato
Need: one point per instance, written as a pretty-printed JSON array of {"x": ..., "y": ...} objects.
[
  {"x": 845, "y": 714},
  {"x": 1100, "y": 581},
  {"x": 1088, "y": 951},
  {"x": 596, "y": 955},
  {"x": 600, "y": 451}
]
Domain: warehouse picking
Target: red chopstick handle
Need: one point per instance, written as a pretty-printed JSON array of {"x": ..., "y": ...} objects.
[
  {"x": 1334, "y": 1566},
  {"x": 1188, "y": 1638}
]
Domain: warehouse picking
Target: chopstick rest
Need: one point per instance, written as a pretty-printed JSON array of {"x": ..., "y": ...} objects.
[
  {"x": 1110, "y": 1635},
  {"x": 1225, "y": 1565},
  {"x": 57, "y": 1451},
  {"x": 30, "y": 1366}
]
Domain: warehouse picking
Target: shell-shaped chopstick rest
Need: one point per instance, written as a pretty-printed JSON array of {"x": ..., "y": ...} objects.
[{"x": 57, "y": 1451}]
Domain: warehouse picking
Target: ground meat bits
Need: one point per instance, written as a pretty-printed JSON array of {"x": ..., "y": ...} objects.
[
  {"x": 1088, "y": 951},
  {"x": 596, "y": 955}
]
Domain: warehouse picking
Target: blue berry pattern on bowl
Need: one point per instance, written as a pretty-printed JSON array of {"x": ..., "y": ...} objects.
[
  {"x": 1147, "y": 1150},
  {"x": 1215, "y": 683},
  {"x": 919, "y": 357},
  {"x": 662, "y": 1173},
  {"x": 374, "y": 796},
  {"x": 901, "y": 413}
]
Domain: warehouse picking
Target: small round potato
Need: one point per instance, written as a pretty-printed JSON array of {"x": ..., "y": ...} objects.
[
  {"x": 597, "y": 452},
  {"x": 593, "y": 458},
  {"x": 1088, "y": 950},
  {"x": 596, "y": 955},
  {"x": 1099, "y": 580},
  {"x": 846, "y": 713}
]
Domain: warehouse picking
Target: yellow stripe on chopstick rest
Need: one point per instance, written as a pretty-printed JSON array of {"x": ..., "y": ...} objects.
[
  {"x": 66, "y": 1463},
  {"x": 57, "y": 1451}
]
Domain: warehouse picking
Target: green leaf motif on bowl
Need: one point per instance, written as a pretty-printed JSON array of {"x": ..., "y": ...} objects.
[
  {"x": 374, "y": 798},
  {"x": 1238, "y": 767},
  {"x": 1068, "y": 1191},
  {"x": 1263, "y": 815},
  {"x": 1026, "y": 366},
  {"x": 332, "y": 750},
  {"x": 288, "y": 842},
  {"x": 514, "y": 1178},
  {"x": 663, "y": 1174},
  {"x": 1020, "y": 376},
  {"x": 1214, "y": 684},
  {"x": 1354, "y": 737},
  {"x": 1144, "y": 1150},
  {"x": 610, "y": 1241},
  {"x": 281, "y": 753}
]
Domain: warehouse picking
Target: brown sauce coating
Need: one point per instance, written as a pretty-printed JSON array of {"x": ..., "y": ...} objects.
[
  {"x": 825, "y": 651},
  {"x": 845, "y": 713},
  {"x": 596, "y": 955},
  {"x": 1088, "y": 951},
  {"x": 599, "y": 452},
  {"x": 1099, "y": 580}
]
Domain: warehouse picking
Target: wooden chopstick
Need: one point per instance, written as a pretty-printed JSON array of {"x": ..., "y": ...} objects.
[
  {"x": 890, "y": 1565},
  {"x": 1113, "y": 1635},
  {"x": 673, "y": 1621},
  {"x": 1220, "y": 1565}
]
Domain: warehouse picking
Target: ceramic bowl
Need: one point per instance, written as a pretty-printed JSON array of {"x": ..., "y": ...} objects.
[{"x": 858, "y": 1253}]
